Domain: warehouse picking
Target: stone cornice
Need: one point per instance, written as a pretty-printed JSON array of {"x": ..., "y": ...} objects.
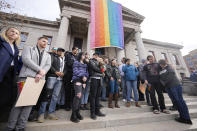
[
  {"x": 31, "y": 20},
  {"x": 164, "y": 44},
  {"x": 85, "y": 5}
]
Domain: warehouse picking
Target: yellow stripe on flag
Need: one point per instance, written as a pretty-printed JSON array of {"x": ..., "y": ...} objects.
[{"x": 106, "y": 23}]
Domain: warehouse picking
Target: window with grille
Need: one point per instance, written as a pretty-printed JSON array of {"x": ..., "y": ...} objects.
[
  {"x": 175, "y": 59},
  {"x": 24, "y": 36},
  {"x": 49, "y": 42}
]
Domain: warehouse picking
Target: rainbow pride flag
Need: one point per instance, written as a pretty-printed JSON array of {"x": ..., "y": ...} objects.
[{"x": 106, "y": 24}]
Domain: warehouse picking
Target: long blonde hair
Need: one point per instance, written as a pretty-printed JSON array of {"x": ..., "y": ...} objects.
[{"x": 4, "y": 36}]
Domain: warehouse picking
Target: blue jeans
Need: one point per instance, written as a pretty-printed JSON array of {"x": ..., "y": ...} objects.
[
  {"x": 56, "y": 85},
  {"x": 175, "y": 94},
  {"x": 85, "y": 93},
  {"x": 113, "y": 87},
  {"x": 132, "y": 85},
  {"x": 104, "y": 91},
  {"x": 61, "y": 97},
  {"x": 123, "y": 86}
]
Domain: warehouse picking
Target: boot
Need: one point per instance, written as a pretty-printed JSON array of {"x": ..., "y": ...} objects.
[
  {"x": 99, "y": 113},
  {"x": 74, "y": 117},
  {"x": 128, "y": 104},
  {"x": 79, "y": 115},
  {"x": 137, "y": 104},
  {"x": 110, "y": 101},
  {"x": 116, "y": 101}
]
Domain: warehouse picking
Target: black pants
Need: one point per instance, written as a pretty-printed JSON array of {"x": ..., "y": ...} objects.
[
  {"x": 148, "y": 96},
  {"x": 156, "y": 86},
  {"x": 77, "y": 99},
  {"x": 8, "y": 92},
  {"x": 69, "y": 91},
  {"x": 95, "y": 92}
]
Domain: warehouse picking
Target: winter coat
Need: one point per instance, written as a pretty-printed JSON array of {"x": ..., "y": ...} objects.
[
  {"x": 79, "y": 71},
  {"x": 94, "y": 68},
  {"x": 6, "y": 57},
  {"x": 130, "y": 72}
]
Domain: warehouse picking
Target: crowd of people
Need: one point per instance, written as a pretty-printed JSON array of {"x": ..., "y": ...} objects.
[
  {"x": 193, "y": 76},
  {"x": 73, "y": 80}
]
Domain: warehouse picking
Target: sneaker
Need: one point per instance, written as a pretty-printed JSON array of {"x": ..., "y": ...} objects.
[
  {"x": 131, "y": 100},
  {"x": 166, "y": 111},
  {"x": 41, "y": 119},
  {"x": 124, "y": 100},
  {"x": 181, "y": 120},
  {"x": 52, "y": 117},
  {"x": 156, "y": 112}
]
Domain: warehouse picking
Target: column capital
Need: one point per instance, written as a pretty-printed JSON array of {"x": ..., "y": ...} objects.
[
  {"x": 138, "y": 30},
  {"x": 65, "y": 15}
]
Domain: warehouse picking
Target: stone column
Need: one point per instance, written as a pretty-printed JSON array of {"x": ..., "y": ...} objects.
[
  {"x": 62, "y": 34},
  {"x": 89, "y": 50},
  {"x": 120, "y": 54},
  {"x": 140, "y": 46}
]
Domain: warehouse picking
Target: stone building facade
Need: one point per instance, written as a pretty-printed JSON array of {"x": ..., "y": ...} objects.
[
  {"x": 73, "y": 29},
  {"x": 191, "y": 59}
]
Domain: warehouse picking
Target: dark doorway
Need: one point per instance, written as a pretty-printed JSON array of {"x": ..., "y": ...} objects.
[
  {"x": 100, "y": 51},
  {"x": 78, "y": 42}
]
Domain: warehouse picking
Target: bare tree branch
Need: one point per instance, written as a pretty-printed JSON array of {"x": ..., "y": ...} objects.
[{"x": 10, "y": 16}]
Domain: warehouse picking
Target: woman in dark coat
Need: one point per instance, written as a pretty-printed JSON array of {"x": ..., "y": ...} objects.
[
  {"x": 80, "y": 75},
  {"x": 8, "y": 67}
]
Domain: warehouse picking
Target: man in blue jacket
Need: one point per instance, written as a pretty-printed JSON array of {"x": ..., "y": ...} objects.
[{"x": 131, "y": 74}]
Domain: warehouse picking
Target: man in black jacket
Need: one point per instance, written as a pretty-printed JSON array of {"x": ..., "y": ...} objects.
[
  {"x": 151, "y": 77},
  {"x": 173, "y": 86},
  {"x": 95, "y": 86},
  {"x": 70, "y": 57},
  {"x": 53, "y": 85}
]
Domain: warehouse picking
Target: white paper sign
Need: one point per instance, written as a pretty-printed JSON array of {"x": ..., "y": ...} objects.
[{"x": 30, "y": 92}]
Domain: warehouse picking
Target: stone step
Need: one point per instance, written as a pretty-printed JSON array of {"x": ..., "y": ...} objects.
[
  {"x": 193, "y": 127},
  {"x": 111, "y": 120},
  {"x": 119, "y": 118},
  {"x": 167, "y": 101},
  {"x": 170, "y": 125},
  {"x": 63, "y": 114}
]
